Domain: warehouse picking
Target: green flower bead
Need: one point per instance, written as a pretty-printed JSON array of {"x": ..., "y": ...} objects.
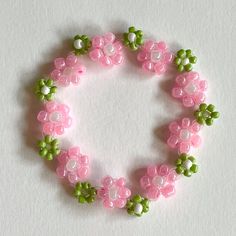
[
  {"x": 184, "y": 60},
  {"x": 206, "y": 114},
  {"x": 84, "y": 192},
  {"x": 133, "y": 38},
  {"x": 137, "y": 205},
  {"x": 45, "y": 89},
  {"x": 48, "y": 148},
  {"x": 186, "y": 165},
  {"x": 81, "y": 44}
]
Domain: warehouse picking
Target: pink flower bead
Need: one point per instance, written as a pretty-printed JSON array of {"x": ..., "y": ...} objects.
[
  {"x": 72, "y": 165},
  {"x": 67, "y": 70},
  {"x": 190, "y": 89},
  {"x": 159, "y": 180},
  {"x": 113, "y": 192},
  {"x": 106, "y": 50},
  {"x": 155, "y": 56},
  {"x": 184, "y": 135},
  {"x": 55, "y": 118}
]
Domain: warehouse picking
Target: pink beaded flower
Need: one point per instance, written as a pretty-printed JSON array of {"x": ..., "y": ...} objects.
[
  {"x": 155, "y": 56},
  {"x": 55, "y": 118},
  {"x": 159, "y": 180},
  {"x": 106, "y": 50},
  {"x": 72, "y": 165},
  {"x": 67, "y": 70},
  {"x": 114, "y": 193},
  {"x": 184, "y": 135},
  {"x": 190, "y": 89}
]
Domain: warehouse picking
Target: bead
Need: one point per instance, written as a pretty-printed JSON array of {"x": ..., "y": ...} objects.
[
  {"x": 78, "y": 44},
  {"x": 84, "y": 192},
  {"x": 154, "y": 57},
  {"x": 81, "y": 44},
  {"x": 206, "y": 114},
  {"x": 45, "y": 89},
  {"x": 71, "y": 167},
  {"x": 137, "y": 206},
  {"x": 67, "y": 71},
  {"x": 190, "y": 89},
  {"x": 184, "y": 60},
  {"x": 55, "y": 118},
  {"x": 106, "y": 50},
  {"x": 113, "y": 192},
  {"x": 186, "y": 165},
  {"x": 160, "y": 183},
  {"x": 132, "y": 37},
  {"x": 184, "y": 135}
]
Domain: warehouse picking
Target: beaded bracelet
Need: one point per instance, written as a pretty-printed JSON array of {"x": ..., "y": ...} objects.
[{"x": 154, "y": 57}]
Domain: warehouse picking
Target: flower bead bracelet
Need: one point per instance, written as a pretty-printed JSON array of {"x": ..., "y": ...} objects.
[{"x": 154, "y": 57}]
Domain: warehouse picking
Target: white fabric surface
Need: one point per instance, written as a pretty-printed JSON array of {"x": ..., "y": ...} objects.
[{"x": 120, "y": 117}]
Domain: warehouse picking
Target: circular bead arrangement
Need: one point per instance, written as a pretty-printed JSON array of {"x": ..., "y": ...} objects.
[{"x": 154, "y": 57}]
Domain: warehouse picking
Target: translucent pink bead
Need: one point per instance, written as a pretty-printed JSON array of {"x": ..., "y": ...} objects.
[
  {"x": 72, "y": 165},
  {"x": 67, "y": 71},
  {"x": 190, "y": 89},
  {"x": 113, "y": 192},
  {"x": 159, "y": 180},
  {"x": 155, "y": 56},
  {"x": 54, "y": 118},
  {"x": 184, "y": 135},
  {"x": 106, "y": 50}
]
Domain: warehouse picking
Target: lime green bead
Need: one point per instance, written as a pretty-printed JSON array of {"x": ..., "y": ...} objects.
[
  {"x": 211, "y": 108},
  {"x": 43, "y": 152},
  {"x": 183, "y": 56},
  {"x": 203, "y": 106},
  {"x": 84, "y": 47},
  {"x": 186, "y": 165},
  {"x": 188, "y": 67},
  {"x": 206, "y": 114},
  {"x": 45, "y": 89},
  {"x": 136, "y": 41},
  {"x": 181, "y": 53},
  {"x": 131, "y": 29},
  {"x": 48, "y": 147},
  {"x": 215, "y": 114},
  {"x": 209, "y": 121},
  {"x": 84, "y": 192},
  {"x": 132, "y": 203}
]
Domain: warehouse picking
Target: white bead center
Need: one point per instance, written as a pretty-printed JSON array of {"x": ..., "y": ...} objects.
[
  {"x": 78, "y": 44},
  {"x": 155, "y": 56},
  {"x": 55, "y": 116},
  {"x": 131, "y": 37},
  {"x": 184, "y": 134},
  {"x": 191, "y": 88},
  {"x": 185, "y": 61},
  {"x": 158, "y": 181},
  {"x": 45, "y": 90},
  {"x": 71, "y": 165},
  {"x": 187, "y": 164},
  {"x": 138, "y": 208},
  {"x": 109, "y": 49},
  {"x": 113, "y": 193}
]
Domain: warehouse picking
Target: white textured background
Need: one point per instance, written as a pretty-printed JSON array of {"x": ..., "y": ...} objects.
[{"x": 120, "y": 117}]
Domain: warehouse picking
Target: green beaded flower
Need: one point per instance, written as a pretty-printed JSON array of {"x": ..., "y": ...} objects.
[
  {"x": 185, "y": 60},
  {"x": 45, "y": 89},
  {"x": 48, "y": 147},
  {"x": 133, "y": 38},
  {"x": 137, "y": 205},
  {"x": 186, "y": 165},
  {"x": 81, "y": 44},
  {"x": 206, "y": 114},
  {"x": 84, "y": 192}
]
